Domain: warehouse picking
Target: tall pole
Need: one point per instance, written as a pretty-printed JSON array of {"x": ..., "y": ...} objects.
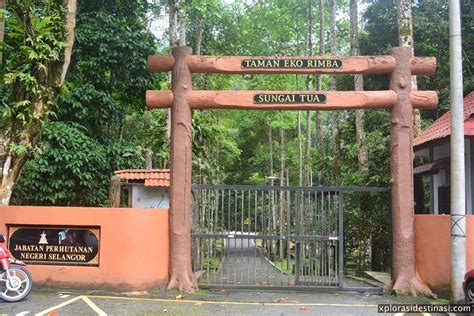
[
  {"x": 458, "y": 199},
  {"x": 404, "y": 278},
  {"x": 181, "y": 273}
]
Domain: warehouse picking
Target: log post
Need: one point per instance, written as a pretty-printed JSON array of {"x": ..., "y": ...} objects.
[
  {"x": 114, "y": 191},
  {"x": 423, "y": 66},
  {"x": 249, "y": 100},
  {"x": 181, "y": 273},
  {"x": 404, "y": 277}
]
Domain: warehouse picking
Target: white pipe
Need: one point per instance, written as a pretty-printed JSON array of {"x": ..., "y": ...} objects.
[{"x": 458, "y": 199}]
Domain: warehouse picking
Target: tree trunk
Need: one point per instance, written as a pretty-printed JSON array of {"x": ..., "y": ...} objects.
[
  {"x": 405, "y": 37},
  {"x": 319, "y": 129},
  {"x": 173, "y": 39},
  {"x": 270, "y": 148},
  {"x": 404, "y": 278},
  {"x": 200, "y": 30},
  {"x": 2, "y": 28},
  {"x": 307, "y": 154},
  {"x": 335, "y": 114},
  {"x": 282, "y": 183},
  {"x": 149, "y": 158},
  {"x": 182, "y": 24},
  {"x": 300, "y": 151},
  {"x": 273, "y": 222},
  {"x": 10, "y": 174},
  {"x": 181, "y": 273},
  {"x": 358, "y": 86},
  {"x": 173, "y": 42},
  {"x": 70, "y": 25},
  {"x": 114, "y": 191},
  {"x": 27, "y": 133}
]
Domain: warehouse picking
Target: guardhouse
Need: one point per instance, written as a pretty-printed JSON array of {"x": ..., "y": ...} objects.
[
  {"x": 432, "y": 178},
  {"x": 148, "y": 188}
]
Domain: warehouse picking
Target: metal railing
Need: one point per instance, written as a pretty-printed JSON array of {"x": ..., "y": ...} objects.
[{"x": 258, "y": 236}]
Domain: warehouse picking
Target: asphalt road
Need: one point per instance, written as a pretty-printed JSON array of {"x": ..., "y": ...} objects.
[{"x": 204, "y": 303}]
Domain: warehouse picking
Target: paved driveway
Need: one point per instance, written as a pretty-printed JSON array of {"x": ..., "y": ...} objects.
[
  {"x": 202, "y": 303},
  {"x": 244, "y": 265}
]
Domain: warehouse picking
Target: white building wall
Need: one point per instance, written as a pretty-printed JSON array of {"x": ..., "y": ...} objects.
[{"x": 149, "y": 197}]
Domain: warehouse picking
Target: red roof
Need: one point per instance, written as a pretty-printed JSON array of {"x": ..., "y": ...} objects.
[
  {"x": 151, "y": 177},
  {"x": 441, "y": 128}
]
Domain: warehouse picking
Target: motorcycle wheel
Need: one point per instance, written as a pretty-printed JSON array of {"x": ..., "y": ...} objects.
[
  {"x": 19, "y": 286},
  {"x": 470, "y": 293}
]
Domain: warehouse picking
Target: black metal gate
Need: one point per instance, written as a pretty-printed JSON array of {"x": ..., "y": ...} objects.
[{"x": 256, "y": 236}]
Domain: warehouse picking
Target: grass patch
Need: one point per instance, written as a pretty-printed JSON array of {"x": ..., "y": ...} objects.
[{"x": 284, "y": 266}]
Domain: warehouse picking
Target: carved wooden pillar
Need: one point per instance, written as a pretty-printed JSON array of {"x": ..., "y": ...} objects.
[
  {"x": 404, "y": 280},
  {"x": 181, "y": 274}
]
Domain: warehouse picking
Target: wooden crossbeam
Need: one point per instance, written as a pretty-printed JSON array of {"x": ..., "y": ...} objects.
[
  {"x": 294, "y": 100},
  {"x": 421, "y": 66}
]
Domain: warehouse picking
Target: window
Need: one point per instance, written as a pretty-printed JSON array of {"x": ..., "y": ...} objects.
[{"x": 444, "y": 199}]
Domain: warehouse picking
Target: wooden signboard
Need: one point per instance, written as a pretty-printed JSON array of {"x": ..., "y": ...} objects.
[
  {"x": 297, "y": 100},
  {"x": 291, "y": 63},
  {"x": 55, "y": 245},
  {"x": 422, "y": 66}
]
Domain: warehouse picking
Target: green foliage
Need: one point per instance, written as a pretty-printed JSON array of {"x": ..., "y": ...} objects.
[
  {"x": 108, "y": 75},
  {"x": 431, "y": 38},
  {"x": 72, "y": 168},
  {"x": 103, "y": 94},
  {"x": 33, "y": 44}
]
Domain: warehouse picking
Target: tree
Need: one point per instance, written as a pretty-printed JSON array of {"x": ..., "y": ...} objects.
[
  {"x": 319, "y": 81},
  {"x": 102, "y": 108},
  {"x": 405, "y": 35},
  {"x": 307, "y": 154},
  {"x": 173, "y": 23},
  {"x": 38, "y": 46},
  {"x": 358, "y": 86},
  {"x": 2, "y": 27},
  {"x": 73, "y": 169},
  {"x": 335, "y": 114}
]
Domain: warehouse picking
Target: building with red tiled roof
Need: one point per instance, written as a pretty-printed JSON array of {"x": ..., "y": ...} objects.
[
  {"x": 433, "y": 177},
  {"x": 440, "y": 130},
  {"x": 148, "y": 188},
  {"x": 149, "y": 177}
]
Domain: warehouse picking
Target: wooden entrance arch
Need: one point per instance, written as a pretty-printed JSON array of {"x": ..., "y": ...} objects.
[{"x": 400, "y": 99}]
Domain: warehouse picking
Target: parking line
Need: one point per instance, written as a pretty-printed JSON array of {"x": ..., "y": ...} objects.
[
  {"x": 228, "y": 302},
  {"x": 46, "y": 311},
  {"x": 93, "y": 306}
]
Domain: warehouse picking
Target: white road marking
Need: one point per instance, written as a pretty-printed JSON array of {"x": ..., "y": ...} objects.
[
  {"x": 64, "y": 295},
  {"x": 46, "y": 311},
  {"x": 23, "y": 313},
  {"x": 93, "y": 306},
  {"x": 81, "y": 297},
  {"x": 229, "y": 302}
]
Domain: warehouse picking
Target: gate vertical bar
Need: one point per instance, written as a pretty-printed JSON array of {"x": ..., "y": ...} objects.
[
  {"x": 340, "y": 240},
  {"x": 297, "y": 241},
  {"x": 288, "y": 229}
]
